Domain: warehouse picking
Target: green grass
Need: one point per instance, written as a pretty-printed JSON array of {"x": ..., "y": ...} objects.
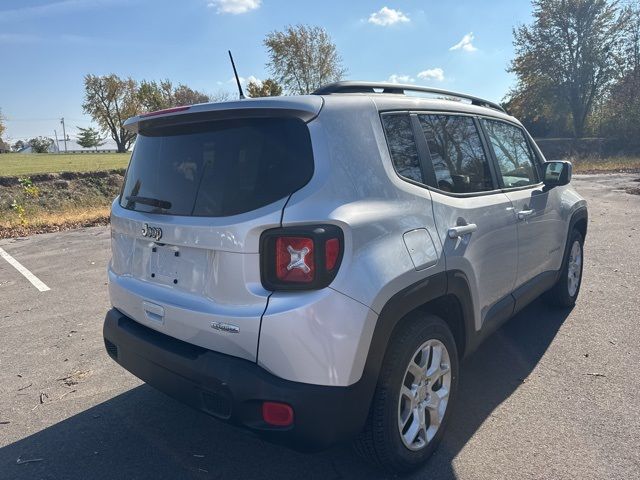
[
  {"x": 606, "y": 165},
  {"x": 16, "y": 164}
]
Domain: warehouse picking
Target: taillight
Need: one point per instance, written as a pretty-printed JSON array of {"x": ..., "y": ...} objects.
[
  {"x": 294, "y": 259},
  {"x": 297, "y": 258}
]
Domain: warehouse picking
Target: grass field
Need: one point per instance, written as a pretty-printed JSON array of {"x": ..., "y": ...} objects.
[
  {"x": 606, "y": 165},
  {"x": 55, "y": 203},
  {"x": 51, "y": 204},
  {"x": 16, "y": 164}
]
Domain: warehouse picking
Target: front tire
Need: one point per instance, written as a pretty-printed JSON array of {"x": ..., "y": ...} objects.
[
  {"x": 565, "y": 292},
  {"x": 412, "y": 402}
]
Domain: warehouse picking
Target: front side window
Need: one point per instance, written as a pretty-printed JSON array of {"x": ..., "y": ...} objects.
[
  {"x": 515, "y": 161},
  {"x": 402, "y": 146},
  {"x": 458, "y": 158}
]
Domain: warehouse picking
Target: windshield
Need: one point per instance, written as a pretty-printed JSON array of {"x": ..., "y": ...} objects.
[{"x": 217, "y": 168}]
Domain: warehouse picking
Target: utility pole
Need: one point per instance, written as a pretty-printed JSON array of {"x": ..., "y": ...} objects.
[{"x": 64, "y": 135}]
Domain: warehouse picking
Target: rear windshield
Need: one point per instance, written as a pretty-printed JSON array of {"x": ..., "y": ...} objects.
[{"x": 218, "y": 168}]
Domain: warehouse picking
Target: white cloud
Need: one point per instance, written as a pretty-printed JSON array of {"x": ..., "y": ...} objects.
[
  {"x": 244, "y": 80},
  {"x": 400, "y": 79},
  {"x": 234, "y": 7},
  {"x": 465, "y": 44},
  {"x": 251, "y": 79},
  {"x": 387, "y": 16},
  {"x": 432, "y": 74}
]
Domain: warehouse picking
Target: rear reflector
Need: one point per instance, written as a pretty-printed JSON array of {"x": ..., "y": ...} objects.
[
  {"x": 166, "y": 110},
  {"x": 294, "y": 259},
  {"x": 277, "y": 414},
  {"x": 331, "y": 253}
]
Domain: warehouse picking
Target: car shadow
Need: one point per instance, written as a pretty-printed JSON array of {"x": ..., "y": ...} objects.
[{"x": 143, "y": 434}]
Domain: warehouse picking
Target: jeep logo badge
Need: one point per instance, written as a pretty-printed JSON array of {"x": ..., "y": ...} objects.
[{"x": 151, "y": 232}]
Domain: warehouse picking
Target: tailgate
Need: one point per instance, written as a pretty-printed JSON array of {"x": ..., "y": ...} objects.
[
  {"x": 198, "y": 283},
  {"x": 186, "y": 228}
]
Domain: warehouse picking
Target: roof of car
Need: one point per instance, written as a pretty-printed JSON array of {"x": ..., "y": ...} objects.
[
  {"x": 390, "y": 97},
  {"x": 402, "y": 89},
  {"x": 384, "y": 96}
]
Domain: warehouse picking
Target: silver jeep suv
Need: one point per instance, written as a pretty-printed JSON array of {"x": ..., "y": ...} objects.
[{"x": 314, "y": 268}]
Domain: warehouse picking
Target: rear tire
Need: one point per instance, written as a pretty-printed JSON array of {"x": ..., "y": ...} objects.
[
  {"x": 415, "y": 392},
  {"x": 565, "y": 292}
]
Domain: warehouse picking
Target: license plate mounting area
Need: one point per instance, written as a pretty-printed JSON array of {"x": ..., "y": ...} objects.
[{"x": 164, "y": 264}]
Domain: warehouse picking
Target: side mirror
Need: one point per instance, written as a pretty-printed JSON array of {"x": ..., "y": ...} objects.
[{"x": 557, "y": 173}]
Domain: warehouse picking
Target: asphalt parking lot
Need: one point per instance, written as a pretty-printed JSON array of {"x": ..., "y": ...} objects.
[{"x": 553, "y": 394}]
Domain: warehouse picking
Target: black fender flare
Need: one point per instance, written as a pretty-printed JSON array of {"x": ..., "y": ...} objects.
[
  {"x": 407, "y": 300},
  {"x": 578, "y": 215}
]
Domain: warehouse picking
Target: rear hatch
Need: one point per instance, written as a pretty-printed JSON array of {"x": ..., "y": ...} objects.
[{"x": 201, "y": 187}]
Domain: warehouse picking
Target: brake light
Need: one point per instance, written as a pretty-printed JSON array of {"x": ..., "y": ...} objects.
[
  {"x": 300, "y": 258},
  {"x": 294, "y": 259}
]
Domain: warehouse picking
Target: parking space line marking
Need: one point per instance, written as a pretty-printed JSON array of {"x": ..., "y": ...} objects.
[{"x": 35, "y": 281}]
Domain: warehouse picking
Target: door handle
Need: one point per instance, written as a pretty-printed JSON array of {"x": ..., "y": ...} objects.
[
  {"x": 455, "y": 232},
  {"x": 524, "y": 214}
]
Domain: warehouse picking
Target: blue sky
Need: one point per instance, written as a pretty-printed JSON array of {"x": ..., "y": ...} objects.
[{"x": 47, "y": 46}]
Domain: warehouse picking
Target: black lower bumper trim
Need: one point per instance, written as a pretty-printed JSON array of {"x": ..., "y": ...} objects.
[{"x": 233, "y": 389}]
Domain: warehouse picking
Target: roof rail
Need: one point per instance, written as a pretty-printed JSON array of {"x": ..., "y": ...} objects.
[{"x": 400, "y": 89}]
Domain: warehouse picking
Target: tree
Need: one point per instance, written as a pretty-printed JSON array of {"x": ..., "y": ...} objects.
[
  {"x": 570, "y": 54},
  {"x": 540, "y": 112},
  {"x": 89, "y": 138},
  {"x": 632, "y": 39},
  {"x": 19, "y": 145},
  {"x": 184, "y": 95},
  {"x": 268, "y": 88},
  {"x": 621, "y": 107},
  {"x": 302, "y": 58},
  {"x": 219, "y": 96},
  {"x": 110, "y": 100},
  {"x": 154, "y": 95},
  {"x": 40, "y": 144}
]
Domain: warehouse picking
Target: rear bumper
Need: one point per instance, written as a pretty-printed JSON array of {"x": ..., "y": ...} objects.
[{"x": 233, "y": 389}]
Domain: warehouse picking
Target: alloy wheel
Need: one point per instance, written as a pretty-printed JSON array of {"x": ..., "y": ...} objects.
[
  {"x": 424, "y": 394},
  {"x": 574, "y": 270}
]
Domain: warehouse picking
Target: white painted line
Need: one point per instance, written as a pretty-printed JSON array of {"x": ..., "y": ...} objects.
[{"x": 35, "y": 281}]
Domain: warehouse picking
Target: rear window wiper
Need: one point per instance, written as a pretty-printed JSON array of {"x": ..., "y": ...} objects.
[{"x": 154, "y": 202}]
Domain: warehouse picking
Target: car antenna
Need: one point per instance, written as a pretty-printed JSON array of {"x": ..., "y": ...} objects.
[{"x": 236, "y": 75}]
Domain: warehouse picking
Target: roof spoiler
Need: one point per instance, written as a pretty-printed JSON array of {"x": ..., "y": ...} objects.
[{"x": 306, "y": 108}]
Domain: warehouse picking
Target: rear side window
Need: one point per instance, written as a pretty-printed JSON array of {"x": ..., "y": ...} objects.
[
  {"x": 219, "y": 168},
  {"x": 458, "y": 158},
  {"x": 516, "y": 162},
  {"x": 402, "y": 146}
]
